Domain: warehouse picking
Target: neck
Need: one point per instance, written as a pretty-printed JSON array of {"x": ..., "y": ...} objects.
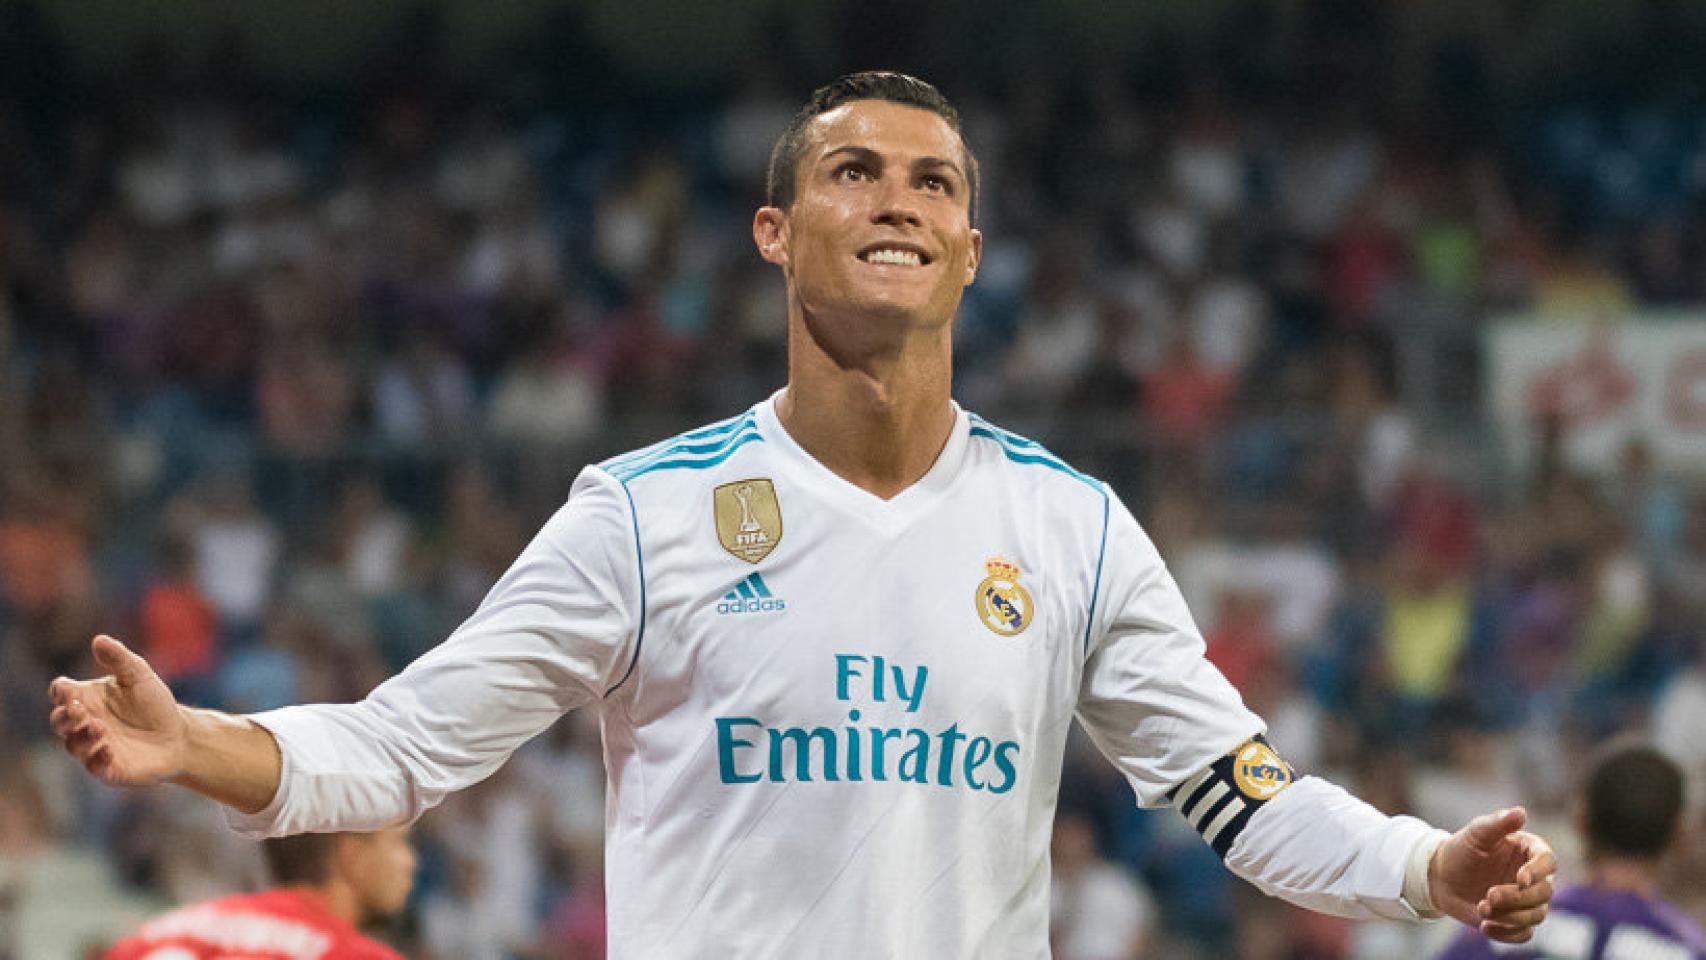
[
  {"x": 340, "y": 901},
  {"x": 1622, "y": 874},
  {"x": 879, "y": 421}
]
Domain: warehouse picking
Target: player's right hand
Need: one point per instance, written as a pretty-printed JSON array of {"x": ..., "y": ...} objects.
[{"x": 126, "y": 728}]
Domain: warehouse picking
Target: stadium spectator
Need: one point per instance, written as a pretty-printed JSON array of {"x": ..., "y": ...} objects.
[
  {"x": 1679, "y": 715},
  {"x": 423, "y": 396},
  {"x": 237, "y": 551},
  {"x": 177, "y": 626},
  {"x": 377, "y": 540},
  {"x": 1097, "y": 911}
]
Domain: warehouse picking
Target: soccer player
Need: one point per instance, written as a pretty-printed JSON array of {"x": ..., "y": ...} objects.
[
  {"x": 1630, "y": 815},
  {"x": 835, "y": 642},
  {"x": 330, "y": 885}
]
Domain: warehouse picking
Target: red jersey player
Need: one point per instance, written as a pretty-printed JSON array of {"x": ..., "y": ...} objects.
[{"x": 330, "y": 885}]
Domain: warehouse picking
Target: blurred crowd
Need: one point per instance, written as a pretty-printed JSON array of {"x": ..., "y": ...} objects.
[{"x": 286, "y": 382}]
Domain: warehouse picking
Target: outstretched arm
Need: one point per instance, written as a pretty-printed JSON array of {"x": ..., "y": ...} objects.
[
  {"x": 1181, "y": 734},
  {"x": 1319, "y": 847},
  {"x": 127, "y": 729},
  {"x": 559, "y": 630}
]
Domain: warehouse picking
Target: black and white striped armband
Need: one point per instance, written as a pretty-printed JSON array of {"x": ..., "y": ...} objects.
[{"x": 1219, "y": 801}]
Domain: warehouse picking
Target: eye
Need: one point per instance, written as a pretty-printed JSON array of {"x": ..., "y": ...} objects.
[
  {"x": 936, "y": 183},
  {"x": 852, "y": 172}
]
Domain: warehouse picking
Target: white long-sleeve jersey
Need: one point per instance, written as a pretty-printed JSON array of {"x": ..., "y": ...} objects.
[{"x": 833, "y": 723}]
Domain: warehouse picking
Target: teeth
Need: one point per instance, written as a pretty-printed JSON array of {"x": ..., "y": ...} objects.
[{"x": 905, "y": 257}]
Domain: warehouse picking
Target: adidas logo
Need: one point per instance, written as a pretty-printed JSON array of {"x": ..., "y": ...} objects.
[{"x": 750, "y": 596}]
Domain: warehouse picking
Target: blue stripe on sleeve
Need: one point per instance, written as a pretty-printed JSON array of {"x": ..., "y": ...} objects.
[
  {"x": 1101, "y": 555},
  {"x": 727, "y": 450},
  {"x": 640, "y": 560},
  {"x": 710, "y": 451},
  {"x": 1020, "y": 450}
]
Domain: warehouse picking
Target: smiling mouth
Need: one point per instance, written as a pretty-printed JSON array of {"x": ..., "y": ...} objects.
[{"x": 895, "y": 256}]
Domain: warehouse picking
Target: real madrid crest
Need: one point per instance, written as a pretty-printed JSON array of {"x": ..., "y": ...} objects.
[
  {"x": 1002, "y": 604},
  {"x": 1259, "y": 772},
  {"x": 749, "y": 518}
]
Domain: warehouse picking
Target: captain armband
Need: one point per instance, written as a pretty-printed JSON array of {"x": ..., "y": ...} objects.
[{"x": 1219, "y": 801}]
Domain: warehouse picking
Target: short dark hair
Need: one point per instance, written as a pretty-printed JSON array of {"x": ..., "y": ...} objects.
[
  {"x": 1634, "y": 803},
  {"x": 303, "y": 859},
  {"x": 867, "y": 85}
]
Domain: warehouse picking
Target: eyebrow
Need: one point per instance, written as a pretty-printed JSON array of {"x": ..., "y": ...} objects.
[{"x": 867, "y": 155}]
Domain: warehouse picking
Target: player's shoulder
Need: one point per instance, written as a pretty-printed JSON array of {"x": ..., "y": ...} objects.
[
  {"x": 1682, "y": 926},
  {"x": 308, "y": 910},
  {"x": 702, "y": 448},
  {"x": 272, "y": 916},
  {"x": 997, "y": 448}
]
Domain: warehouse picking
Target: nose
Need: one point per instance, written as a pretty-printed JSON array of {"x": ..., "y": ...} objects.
[{"x": 897, "y": 204}]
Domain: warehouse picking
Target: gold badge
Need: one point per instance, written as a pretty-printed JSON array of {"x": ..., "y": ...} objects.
[
  {"x": 1259, "y": 771},
  {"x": 749, "y": 519},
  {"x": 1002, "y": 604}
]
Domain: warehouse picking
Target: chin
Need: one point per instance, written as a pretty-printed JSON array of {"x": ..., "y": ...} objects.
[
  {"x": 897, "y": 311},
  {"x": 909, "y": 307}
]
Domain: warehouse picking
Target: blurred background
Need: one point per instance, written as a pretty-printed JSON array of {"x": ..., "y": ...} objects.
[{"x": 1388, "y": 319}]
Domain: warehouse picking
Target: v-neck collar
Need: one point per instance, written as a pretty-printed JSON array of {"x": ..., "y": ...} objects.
[{"x": 895, "y": 511}]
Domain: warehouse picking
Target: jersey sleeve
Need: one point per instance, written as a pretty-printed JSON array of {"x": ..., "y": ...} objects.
[
  {"x": 1179, "y": 731},
  {"x": 559, "y": 630},
  {"x": 1149, "y": 698},
  {"x": 1315, "y": 845}
]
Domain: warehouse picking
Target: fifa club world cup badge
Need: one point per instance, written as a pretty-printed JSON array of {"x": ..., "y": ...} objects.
[
  {"x": 749, "y": 518},
  {"x": 1259, "y": 772},
  {"x": 1002, "y": 604}
]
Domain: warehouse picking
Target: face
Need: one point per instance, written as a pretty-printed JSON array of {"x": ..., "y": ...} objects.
[
  {"x": 878, "y": 239},
  {"x": 381, "y": 868}
]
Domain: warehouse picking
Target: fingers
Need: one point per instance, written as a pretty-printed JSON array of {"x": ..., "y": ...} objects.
[
  {"x": 1485, "y": 831},
  {"x": 117, "y": 659},
  {"x": 1519, "y": 918},
  {"x": 99, "y": 761},
  {"x": 1509, "y": 904},
  {"x": 1509, "y": 896},
  {"x": 1542, "y": 863},
  {"x": 63, "y": 690},
  {"x": 1512, "y": 910},
  {"x": 80, "y": 710},
  {"x": 67, "y": 720},
  {"x": 88, "y": 696},
  {"x": 113, "y": 657},
  {"x": 1533, "y": 882},
  {"x": 84, "y": 736},
  {"x": 1507, "y": 934}
]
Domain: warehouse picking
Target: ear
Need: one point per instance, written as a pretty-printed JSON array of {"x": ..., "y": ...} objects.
[
  {"x": 976, "y": 257},
  {"x": 770, "y": 233},
  {"x": 1687, "y": 834}
]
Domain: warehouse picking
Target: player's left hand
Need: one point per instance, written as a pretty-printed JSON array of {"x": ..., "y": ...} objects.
[{"x": 1494, "y": 876}]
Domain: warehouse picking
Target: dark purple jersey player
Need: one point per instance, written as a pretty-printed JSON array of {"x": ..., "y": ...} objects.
[{"x": 1629, "y": 817}]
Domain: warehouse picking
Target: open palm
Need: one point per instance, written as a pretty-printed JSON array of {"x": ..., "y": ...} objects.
[{"x": 124, "y": 727}]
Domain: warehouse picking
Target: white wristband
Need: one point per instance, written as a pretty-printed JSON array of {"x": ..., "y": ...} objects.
[{"x": 1416, "y": 892}]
